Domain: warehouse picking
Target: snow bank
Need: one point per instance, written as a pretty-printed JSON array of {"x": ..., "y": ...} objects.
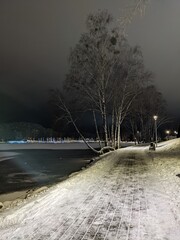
[{"x": 170, "y": 146}]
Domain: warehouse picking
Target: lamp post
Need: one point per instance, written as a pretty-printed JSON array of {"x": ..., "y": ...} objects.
[
  {"x": 138, "y": 137},
  {"x": 176, "y": 133},
  {"x": 155, "y": 127},
  {"x": 167, "y": 132}
]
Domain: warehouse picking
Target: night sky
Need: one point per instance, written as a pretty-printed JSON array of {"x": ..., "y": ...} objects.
[{"x": 36, "y": 37}]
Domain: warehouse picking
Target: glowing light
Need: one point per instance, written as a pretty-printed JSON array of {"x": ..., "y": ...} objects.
[
  {"x": 155, "y": 127},
  {"x": 155, "y": 117},
  {"x": 168, "y": 132}
]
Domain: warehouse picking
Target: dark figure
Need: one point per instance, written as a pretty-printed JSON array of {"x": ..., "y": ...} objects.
[{"x": 152, "y": 146}]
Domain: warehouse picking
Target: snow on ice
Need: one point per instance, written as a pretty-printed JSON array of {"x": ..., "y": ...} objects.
[{"x": 129, "y": 194}]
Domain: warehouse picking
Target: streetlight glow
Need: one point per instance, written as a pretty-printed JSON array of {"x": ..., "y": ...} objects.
[
  {"x": 167, "y": 132},
  {"x": 155, "y": 117},
  {"x": 155, "y": 127}
]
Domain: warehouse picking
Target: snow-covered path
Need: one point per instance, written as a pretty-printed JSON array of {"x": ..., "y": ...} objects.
[{"x": 127, "y": 195}]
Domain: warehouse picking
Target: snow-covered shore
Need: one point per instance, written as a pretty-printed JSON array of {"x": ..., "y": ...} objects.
[
  {"x": 10, "y": 151},
  {"x": 129, "y": 194}
]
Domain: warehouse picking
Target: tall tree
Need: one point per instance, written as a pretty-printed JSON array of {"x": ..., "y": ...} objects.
[
  {"x": 105, "y": 70},
  {"x": 131, "y": 77},
  {"x": 92, "y": 63},
  {"x": 105, "y": 76}
]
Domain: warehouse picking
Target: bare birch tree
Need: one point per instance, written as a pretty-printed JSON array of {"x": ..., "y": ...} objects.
[
  {"x": 92, "y": 64},
  {"x": 105, "y": 75},
  {"x": 130, "y": 78}
]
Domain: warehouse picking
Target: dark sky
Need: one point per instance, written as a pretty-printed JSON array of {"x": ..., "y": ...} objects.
[{"x": 36, "y": 37}]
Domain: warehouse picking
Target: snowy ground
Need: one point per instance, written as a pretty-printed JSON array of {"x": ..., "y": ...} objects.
[{"x": 129, "y": 194}]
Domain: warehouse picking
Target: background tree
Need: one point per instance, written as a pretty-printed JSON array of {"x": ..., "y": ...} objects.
[
  {"x": 149, "y": 103},
  {"x": 24, "y": 130}
]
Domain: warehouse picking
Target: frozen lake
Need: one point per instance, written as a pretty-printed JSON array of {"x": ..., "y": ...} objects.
[{"x": 25, "y": 166}]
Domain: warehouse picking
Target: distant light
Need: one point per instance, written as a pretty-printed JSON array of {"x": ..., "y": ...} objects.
[
  {"x": 167, "y": 132},
  {"x": 17, "y": 141},
  {"x": 175, "y": 132},
  {"x": 155, "y": 117}
]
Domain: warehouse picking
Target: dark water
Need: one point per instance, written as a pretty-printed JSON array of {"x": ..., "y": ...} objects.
[{"x": 33, "y": 168}]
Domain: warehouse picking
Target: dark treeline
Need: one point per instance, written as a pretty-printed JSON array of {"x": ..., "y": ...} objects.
[
  {"x": 108, "y": 80},
  {"x": 24, "y": 130}
]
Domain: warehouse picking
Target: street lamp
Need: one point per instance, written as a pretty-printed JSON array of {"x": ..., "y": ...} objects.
[
  {"x": 167, "y": 132},
  {"x": 155, "y": 127}
]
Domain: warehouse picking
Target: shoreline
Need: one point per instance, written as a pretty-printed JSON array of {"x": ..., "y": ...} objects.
[
  {"x": 7, "y": 151},
  {"x": 13, "y": 199}
]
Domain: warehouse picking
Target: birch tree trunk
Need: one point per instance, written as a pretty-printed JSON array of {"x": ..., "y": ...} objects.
[
  {"x": 96, "y": 127},
  {"x": 105, "y": 123}
]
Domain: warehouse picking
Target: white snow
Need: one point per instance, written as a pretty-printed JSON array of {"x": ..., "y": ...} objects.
[
  {"x": 173, "y": 145},
  {"x": 129, "y": 194}
]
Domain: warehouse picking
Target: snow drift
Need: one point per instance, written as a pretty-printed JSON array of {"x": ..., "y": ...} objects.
[{"x": 170, "y": 146}]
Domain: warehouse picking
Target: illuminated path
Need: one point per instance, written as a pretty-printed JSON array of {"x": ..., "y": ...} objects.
[{"x": 128, "y": 195}]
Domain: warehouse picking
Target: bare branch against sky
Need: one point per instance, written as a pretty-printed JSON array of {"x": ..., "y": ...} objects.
[{"x": 132, "y": 8}]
